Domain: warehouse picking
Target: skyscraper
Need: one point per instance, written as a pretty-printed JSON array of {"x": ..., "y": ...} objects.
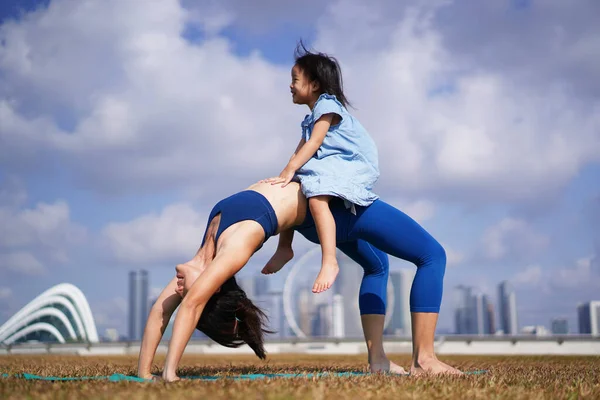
[
  {"x": 474, "y": 312},
  {"x": 347, "y": 284},
  {"x": 466, "y": 311},
  {"x": 589, "y": 317},
  {"x": 337, "y": 316},
  {"x": 275, "y": 314},
  {"x": 138, "y": 303},
  {"x": 507, "y": 309},
  {"x": 400, "y": 324},
  {"x": 255, "y": 286},
  {"x": 321, "y": 323},
  {"x": 490, "y": 324}
]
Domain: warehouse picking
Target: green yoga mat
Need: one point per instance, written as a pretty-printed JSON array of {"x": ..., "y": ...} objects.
[{"x": 121, "y": 377}]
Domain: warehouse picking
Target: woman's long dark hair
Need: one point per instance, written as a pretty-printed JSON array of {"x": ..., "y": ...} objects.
[
  {"x": 321, "y": 68},
  {"x": 231, "y": 319}
]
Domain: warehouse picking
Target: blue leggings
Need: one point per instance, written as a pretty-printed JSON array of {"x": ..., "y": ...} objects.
[{"x": 379, "y": 229}]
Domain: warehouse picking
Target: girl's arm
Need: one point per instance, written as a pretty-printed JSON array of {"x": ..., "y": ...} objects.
[
  {"x": 300, "y": 144},
  {"x": 158, "y": 319},
  {"x": 225, "y": 265},
  {"x": 305, "y": 150}
]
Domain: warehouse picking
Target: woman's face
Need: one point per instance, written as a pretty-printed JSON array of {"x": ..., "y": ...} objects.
[{"x": 186, "y": 276}]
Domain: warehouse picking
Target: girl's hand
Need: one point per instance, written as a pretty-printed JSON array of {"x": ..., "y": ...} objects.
[{"x": 285, "y": 177}]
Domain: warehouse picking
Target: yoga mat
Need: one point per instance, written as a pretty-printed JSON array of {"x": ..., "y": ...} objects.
[{"x": 122, "y": 377}]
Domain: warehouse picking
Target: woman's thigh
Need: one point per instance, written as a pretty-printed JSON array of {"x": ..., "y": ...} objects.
[{"x": 393, "y": 232}]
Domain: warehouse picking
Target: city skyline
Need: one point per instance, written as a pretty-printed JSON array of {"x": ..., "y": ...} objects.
[{"x": 474, "y": 313}]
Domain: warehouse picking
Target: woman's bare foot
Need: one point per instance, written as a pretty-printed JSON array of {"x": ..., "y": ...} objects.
[
  {"x": 386, "y": 366},
  {"x": 326, "y": 277},
  {"x": 280, "y": 258},
  {"x": 433, "y": 366}
]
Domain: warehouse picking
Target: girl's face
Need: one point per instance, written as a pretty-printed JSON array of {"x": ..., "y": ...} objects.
[{"x": 303, "y": 90}]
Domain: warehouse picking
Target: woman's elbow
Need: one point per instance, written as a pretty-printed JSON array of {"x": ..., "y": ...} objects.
[{"x": 191, "y": 304}]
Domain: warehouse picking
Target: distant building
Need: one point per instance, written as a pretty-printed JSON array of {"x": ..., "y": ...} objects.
[
  {"x": 338, "y": 316},
  {"x": 400, "y": 323},
  {"x": 465, "y": 313},
  {"x": 138, "y": 303},
  {"x": 347, "y": 285},
  {"x": 490, "y": 324},
  {"x": 474, "y": 313},
  {"x": 589, "y": 317},
  {"x": 559, "y": 326},
  {"x": 538, "y": 330},
  {"x": 507, "y": 308},
  {"x": 277, "y": 322},
  {"x": 111, "y": 335},
  {"x": 256, "y": 287},
  {"x": 485, "y": 315},
  {"x": 305, "y": 309},
  {"x": 321, "y": 322}
]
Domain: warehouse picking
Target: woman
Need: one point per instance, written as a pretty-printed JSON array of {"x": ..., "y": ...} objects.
[{"x": 210, "y": 300}]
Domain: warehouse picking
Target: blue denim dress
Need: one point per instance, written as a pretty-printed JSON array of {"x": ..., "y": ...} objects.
[{"x": 346, "y": 165}]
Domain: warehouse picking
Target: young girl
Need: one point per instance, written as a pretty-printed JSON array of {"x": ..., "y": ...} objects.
[{"x": 336, "y": 157}]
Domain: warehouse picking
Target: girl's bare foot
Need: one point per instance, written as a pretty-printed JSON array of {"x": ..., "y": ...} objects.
[
  {"x": 433, "y": 366},
  {"x": 280, "y": 258},
  {"x": 326, "y": 277}
]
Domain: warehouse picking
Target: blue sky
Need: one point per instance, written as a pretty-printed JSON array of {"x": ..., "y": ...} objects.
[{"x": 121, "y": 126}]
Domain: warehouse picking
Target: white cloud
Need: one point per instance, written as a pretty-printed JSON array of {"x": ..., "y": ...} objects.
[
  {"x": 12, "y": 192},
  {"x": 553, "y": 280},
  {"x": 168, "y": 113},
  {"x": 529, "y": 276},
  {"x": 174, "y": 234},
  {"x": 21, "y": 263},
  {"x": 5, "y": 293},
  {"x": 33, "y": 237},
  {"x": 454, "y": 257},
  {"x": 165, "y": 112},
  {"x": 512, "y": 238},
  {"x": 455, "y": 129},
  {"x": 419, "y": 210},
  {"x": 579, "y": 275},
  {"x": 111, "y": 313}
]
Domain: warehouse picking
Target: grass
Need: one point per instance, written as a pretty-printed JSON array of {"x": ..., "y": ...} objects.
[{"x": 514, "y": 377}]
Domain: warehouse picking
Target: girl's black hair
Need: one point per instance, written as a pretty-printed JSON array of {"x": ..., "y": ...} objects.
[
  {"x": 231, "y": 319},
  {"x": 323, "y": 69}
]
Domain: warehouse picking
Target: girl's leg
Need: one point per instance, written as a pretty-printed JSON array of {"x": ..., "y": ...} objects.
[
  {"x": 372, "y": 301},
  {"x": 395, "y": 233},
  {"x": 319, "y": 208},
  {"x": 283, "y": 254}
]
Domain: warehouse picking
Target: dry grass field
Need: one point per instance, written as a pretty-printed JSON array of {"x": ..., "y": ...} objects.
[{"x": 513, "y": 377}]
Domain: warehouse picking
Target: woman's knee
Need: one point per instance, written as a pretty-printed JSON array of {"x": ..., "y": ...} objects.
[
  {"x": 375, "y": 262},
  {"x": 435, "y": 256}
]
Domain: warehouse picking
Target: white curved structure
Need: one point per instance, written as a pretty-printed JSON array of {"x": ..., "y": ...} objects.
[
  {"x": 61, "y": 312},
  {"x": 289, "y": 296}
]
